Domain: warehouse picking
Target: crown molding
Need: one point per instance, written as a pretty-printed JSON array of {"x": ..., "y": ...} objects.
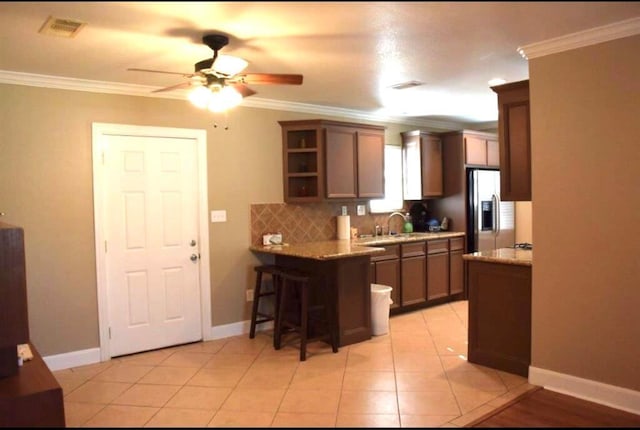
[
  {"x": 605, "y": 33},
  {"x": 65, "y": 83}
]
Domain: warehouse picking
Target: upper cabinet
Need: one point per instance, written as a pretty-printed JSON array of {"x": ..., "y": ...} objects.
[
  {"x": 481, "y": 149},
  {"x": 421, "y": 165},
  {"x": 514, "y": 133},
  {"x": 336, "y": 160}
]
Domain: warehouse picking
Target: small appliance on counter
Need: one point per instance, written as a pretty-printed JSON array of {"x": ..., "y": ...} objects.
[{"x": 420, "y": 217}]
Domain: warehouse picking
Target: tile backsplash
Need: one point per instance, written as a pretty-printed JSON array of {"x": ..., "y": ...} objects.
[{"x": 309, "y": 222}]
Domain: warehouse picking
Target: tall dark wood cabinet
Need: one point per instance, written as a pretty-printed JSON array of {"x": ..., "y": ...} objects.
[
  {"x": 514, "y": 134},
  {"x": 30, "y": 396},
  {"x": 14, "y": 321}
]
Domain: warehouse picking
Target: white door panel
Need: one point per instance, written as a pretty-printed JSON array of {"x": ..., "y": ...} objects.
[{"x": 151, "y": 219}]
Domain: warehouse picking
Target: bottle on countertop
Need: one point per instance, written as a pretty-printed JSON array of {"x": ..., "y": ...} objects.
[{"x": 408, "y": 224}]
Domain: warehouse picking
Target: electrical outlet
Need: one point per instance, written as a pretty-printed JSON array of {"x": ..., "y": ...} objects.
[
  {"x": 361, "y": 210},
  {"x": 249, "y": 295},
  {"x": 219, "y": 216},
  {"x": 344, "y": 210}
]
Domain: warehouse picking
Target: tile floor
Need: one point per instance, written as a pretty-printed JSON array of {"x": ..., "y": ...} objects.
[{"x": 414, "y": 376}]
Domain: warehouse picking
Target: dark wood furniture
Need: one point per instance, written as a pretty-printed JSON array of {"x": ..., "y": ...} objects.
[
  {"x": 514, "y": 133},
  {"x": 349, "y": 285},
  {"x": 30, "y": 396},
  {"x": 325, "y": 159},
  {"x": 421, "y": 165},
  {"x": 297, "y": 311},
  {"x": 421, "y": 273},
  {"x": 14, "y": 321},
  {"x": 258, "y": 314},
  {"x": 385, "y": 270},
  {"x": 499, "y": 315}
]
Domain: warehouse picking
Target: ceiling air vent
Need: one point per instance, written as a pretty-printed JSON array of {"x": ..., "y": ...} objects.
[
  {"x": 62, "y": 27},
  {"x": 405, "y": 85}
]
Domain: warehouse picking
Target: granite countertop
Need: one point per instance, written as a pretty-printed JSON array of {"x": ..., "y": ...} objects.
[
  {"x": 332, "y": 249},
  {"x": 323, "y": 250},
  {"x": 405, "y": 237},
  {"x": 520, "y": 257}
]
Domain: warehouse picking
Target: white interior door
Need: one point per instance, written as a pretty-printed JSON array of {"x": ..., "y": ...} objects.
[{"x": 152, "y": 250}]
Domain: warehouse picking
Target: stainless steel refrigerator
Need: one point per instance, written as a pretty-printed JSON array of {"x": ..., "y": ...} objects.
[{"x": 491, "y": 222}]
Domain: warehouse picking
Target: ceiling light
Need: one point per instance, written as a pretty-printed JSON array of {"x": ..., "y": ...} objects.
[{"x": 215, "y": 97}]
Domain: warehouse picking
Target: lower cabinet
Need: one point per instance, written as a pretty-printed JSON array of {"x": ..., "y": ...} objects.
[
  {"x": 500, "y": 316},
  {"x": 437, "y": 269},
  {"x": 413, "y": 269},
  {"x": 421, "y": 274},
  {"x": 456, "y": 269},
  {"x": 385, "y": 270}
]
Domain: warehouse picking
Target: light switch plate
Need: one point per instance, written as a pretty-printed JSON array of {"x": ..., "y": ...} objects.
[
  {"x": 219, "y": 216},
  {"x": 361, "y": 210}
]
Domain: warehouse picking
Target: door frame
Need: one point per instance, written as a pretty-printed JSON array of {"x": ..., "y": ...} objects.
[{"x": 99, "y": 131}]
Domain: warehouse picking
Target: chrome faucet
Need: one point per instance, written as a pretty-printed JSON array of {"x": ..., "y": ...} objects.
[{"x": 391, "y": 216}]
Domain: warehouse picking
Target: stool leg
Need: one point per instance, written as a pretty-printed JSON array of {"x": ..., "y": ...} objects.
[
  {"x": 277, "y": 329},
  {"x": 304, "y": 320},
  {"x": 254, "y": 309},
  {"x": 277, "y": 286},
  {"x": 331, "y": 323}
]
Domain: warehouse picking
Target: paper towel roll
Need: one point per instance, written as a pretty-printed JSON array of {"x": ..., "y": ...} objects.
[{"x": 344, "y": 227}]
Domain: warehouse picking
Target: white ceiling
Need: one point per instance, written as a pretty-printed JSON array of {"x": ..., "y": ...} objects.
[{"x": 349, "y": 52}]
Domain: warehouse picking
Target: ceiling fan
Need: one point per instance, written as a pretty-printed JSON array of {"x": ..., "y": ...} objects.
[{"x": 217, "y": 81}]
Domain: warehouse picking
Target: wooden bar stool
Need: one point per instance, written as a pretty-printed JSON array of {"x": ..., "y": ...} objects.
[
  {"x": 294, "y": 311},
  {"x": 257, "y": 316}
]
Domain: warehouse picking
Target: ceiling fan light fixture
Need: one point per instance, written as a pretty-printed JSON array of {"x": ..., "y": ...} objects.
[
  {"x": 200, "y": 97},
  {"x": 223, "y": 98},
  {"x": 228, "y": 65}
]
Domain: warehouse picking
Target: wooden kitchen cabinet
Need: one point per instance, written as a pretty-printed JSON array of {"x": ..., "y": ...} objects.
[
  {"x": 413, "y": 266},
  {"x": 500, "y": 315},
  {"x": 437, "y": 269},
  {"x": 332, "y": 160},
  {"x": 514, "y": 137},
  {"x": 355, "y": 161},
  {"x": 303, "y": 161},
  {"x": 385, "y": 270},
  {"x": 456, "y": 268},
  {"x": 481, "y": 149},
  {"x": 422, "y": 165}
]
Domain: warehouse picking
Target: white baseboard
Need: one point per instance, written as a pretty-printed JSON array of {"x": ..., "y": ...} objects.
[
  {"x": 92, "y": 355},
  {"x": 586, "y": 389},
  {"x": 237, "y": 329},
  {"x": 72, "y": 359}
]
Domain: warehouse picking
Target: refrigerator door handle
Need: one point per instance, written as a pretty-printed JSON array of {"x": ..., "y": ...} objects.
[
  {"x": 498, "y": 204},
  {"x": 496, "y": 208}
]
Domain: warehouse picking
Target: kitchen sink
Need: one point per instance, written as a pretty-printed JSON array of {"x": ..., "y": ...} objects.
[{"x": 390, "y": 238}]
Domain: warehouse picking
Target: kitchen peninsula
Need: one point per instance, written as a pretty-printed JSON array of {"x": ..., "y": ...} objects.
[
  {"x": 343, "y": 268},
  {"x": 423, "y": 268},
  {"x": 498, "y": 284}
]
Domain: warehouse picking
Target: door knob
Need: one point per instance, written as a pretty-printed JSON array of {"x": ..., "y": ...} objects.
[
  {"x": 194, "y": 257},
  {"x": 192, "y": 243}
]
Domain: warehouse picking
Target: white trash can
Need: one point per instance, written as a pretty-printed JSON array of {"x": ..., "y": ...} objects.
[{"x": 380, "y": 305}]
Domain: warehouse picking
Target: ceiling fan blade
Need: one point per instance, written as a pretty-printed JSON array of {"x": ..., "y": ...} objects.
[
  {"x": 268, "y": 78},
  {"x": 187, "y": 75},
  {"x": 173, "y": 87},
  {"x": 243, "y": 89}
]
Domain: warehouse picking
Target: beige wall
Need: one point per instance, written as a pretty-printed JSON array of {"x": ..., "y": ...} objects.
[
  {"x": 585, "y": 119},
  {"x": 524, "y": 222},
  {"x": 46, "y": 177}
]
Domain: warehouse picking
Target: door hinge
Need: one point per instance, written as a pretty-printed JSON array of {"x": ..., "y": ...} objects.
[
  {"x": 103, "y": 158},
  {"x": 105, "y": 246},
  {"x": 109, "y": 332}
]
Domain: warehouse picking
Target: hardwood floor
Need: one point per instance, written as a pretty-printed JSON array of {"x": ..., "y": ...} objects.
[{"x": 544, "y": 408}]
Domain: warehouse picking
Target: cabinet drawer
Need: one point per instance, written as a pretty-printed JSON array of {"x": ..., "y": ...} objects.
[
  {"x": 390, "y": 253},
  {"x": 437, "y": 246},
  {"x": 456, "y": 243},
  {"x": 413, "y": 249}
]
